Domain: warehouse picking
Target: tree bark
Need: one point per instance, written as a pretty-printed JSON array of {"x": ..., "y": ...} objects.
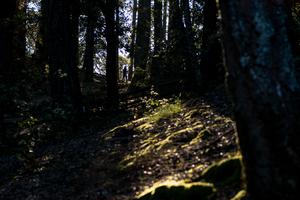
[
  {"x": 158, "y": 39},
  {"x": 142, "y": 46},
  {"x": 265, "y": 94},
  {"x": 211, "y": 56},
  {"x": 133, "y": 37},
  {"x": 112, "y": 55},
  {"x": 7, "y": 14},
  {"x": 61, "y": 42}
]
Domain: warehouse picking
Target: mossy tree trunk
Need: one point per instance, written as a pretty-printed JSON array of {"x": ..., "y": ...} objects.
[{"x": 265, "y": 94}]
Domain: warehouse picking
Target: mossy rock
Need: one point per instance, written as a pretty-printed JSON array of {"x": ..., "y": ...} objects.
[
  {"x": 179, "y": 191},
  {"x": 225, "y": 172}
]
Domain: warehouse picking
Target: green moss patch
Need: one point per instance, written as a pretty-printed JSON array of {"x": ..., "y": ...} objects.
[
  {"x": 224, "y": 172},
  {"x": 179, "y": 191}
]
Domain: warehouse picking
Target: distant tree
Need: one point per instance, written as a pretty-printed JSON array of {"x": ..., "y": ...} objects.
[
  {"x": 164, "y": 20},
  {"x": 211, "y": 54},
  {"x": 265, "y": 94},
  {"x": 112, "y": 69},
  {"x": 89, "y": 53}
]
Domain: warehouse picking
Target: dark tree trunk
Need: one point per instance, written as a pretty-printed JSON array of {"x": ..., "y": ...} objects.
[
  {"x": 89, "y": 53},
  {"x": 61, "y": 42},
  {"x": 142, "y": 46},
  {"x": 175, "y": 64},
  {"x": 7, "y": 13},
  {"x": 40, "y": 52},
  {"x": 133, "y": 37},
  {"x": 211, "y": 56},
  {"x": 158, "y": 39},
  {"x": 189, "y": 49},
  {"x": 266, "y": 95},
  {"x": 20, "y": 39},
  {"x": 112, "y": 55}
]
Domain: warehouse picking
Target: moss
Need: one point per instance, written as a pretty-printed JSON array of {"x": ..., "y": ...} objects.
[
  {"x": 179, "y": 191},
  {"x": 203, "y": 135},
  {"x": 240, "y": 195},
  {"x": 224, "y": 172},
  {"x": 166, "y": 111}
]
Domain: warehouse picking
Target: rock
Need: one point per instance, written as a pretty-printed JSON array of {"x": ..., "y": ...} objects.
[
  {"x": 224, "y": 172},
  {"x": 179, "y": 191}
]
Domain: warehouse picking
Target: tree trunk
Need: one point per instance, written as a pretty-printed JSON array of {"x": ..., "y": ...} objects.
[
  {"x": 142, "y": 46},
  {"x": 175, "y": 65},
  {"x": 7, "y": 14},
  {"x": 112, "y": 56},
  {"x": 133, "y": 37},
  {"x": 62, "y": 38},
  {"x": 165, "y": 17},
  {"x": 211, "y": 56},
  {"x": 265, "y": 94},
  {"x": 158, "y": 39},
  {"x": 89, "y": 53},
  {"x": 189, "y": 49}
]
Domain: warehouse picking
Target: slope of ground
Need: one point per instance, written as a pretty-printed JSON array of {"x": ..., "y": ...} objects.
[{"x": 175, "y": 142}]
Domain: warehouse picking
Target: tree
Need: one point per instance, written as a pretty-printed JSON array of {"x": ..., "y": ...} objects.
[
  {"x": 133, "y": 37},
  {"x": 112, "y": 54},
  {"x": 142, "y": 45},
  {"x": 265, "y": 94},
  {"x": 211, "y": 54},
  {"x": 7, "y": 14},
  {"x": 61, "y": 43},
  {"x": 89, "y": 53},
  {"x": 158, "y": 39}
]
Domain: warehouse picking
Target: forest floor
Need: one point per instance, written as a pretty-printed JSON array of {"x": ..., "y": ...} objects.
[{"x": 124, "y": 156}]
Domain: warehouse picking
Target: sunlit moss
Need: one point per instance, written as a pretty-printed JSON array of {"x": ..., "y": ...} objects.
[
  {"x": 240, "y": 195},
  {"x": 172, "y": 190},
  {"x": 224, "y": 172},
  {"x": 166, "y": 111}
]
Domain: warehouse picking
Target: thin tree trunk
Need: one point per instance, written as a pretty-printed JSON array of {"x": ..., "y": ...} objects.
[
  {"x": 266, "y": 95},
  {"x": 165, "y": 17},
  {"x": 133, "y": 37},
  {"x": 88, "y": 64}
]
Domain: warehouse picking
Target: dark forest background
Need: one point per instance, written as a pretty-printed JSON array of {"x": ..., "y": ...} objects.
[{"x": 76, "y": 69}]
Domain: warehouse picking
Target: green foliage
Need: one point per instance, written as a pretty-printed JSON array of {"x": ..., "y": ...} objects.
[{"x": 165, "y": 110}]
